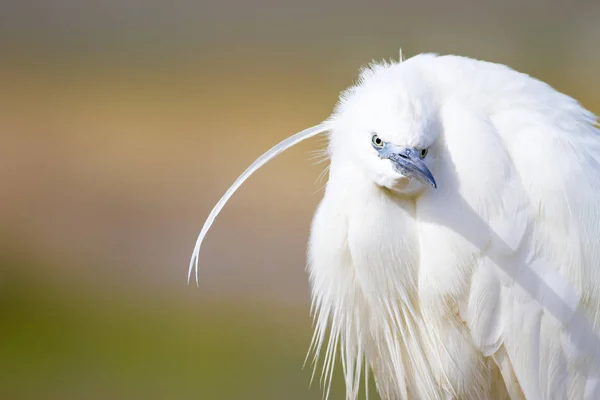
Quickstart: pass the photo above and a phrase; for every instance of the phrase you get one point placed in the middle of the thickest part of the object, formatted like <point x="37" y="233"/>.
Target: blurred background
<point x="122" y="122"/>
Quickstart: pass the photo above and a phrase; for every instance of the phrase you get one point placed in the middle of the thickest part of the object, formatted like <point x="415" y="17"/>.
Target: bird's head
<point x="386" y="128"/>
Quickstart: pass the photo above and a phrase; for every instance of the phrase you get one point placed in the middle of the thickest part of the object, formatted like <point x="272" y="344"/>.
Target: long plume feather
<point x="260" y="161"/>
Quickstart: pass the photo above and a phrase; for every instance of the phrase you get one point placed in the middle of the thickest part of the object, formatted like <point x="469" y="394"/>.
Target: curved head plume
<point x="260" y="161"/>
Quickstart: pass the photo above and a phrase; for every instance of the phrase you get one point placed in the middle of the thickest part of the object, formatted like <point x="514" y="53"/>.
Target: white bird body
<point x="479" y="284"/>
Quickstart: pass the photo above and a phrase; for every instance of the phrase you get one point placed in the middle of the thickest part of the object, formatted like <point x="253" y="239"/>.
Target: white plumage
<point x="455" y="253"/>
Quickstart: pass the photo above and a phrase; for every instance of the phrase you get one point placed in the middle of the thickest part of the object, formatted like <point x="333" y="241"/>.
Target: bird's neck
<point x="379" y="223"/>
<point x="363" y="265"/>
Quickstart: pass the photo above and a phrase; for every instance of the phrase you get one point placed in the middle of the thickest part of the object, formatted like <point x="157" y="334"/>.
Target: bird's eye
<point x="377" y="142"/>
<point x="423" y="153"/>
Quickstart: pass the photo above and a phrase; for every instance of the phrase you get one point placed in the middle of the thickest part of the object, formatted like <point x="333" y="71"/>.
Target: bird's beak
<point x="406" y="161"/>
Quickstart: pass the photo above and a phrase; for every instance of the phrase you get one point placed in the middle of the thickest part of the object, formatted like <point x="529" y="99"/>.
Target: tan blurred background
<point x="122" y="122"/>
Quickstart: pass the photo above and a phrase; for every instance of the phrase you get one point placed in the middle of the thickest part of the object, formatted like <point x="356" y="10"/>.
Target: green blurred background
<point x="123" y="122"/>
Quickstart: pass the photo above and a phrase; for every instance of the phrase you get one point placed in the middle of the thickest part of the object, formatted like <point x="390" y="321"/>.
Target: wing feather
<point x="522" y="181"/>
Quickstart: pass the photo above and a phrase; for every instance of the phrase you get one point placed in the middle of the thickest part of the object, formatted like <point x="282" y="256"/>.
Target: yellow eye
<point x="423" y="153"/>
<point x="377" y="142"/>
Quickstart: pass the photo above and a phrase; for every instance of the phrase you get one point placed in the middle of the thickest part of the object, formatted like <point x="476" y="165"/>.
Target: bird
<point x="455" y="251"/>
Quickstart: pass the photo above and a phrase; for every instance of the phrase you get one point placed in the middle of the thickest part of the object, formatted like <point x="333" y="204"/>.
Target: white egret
<point x="455" y="253"/>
